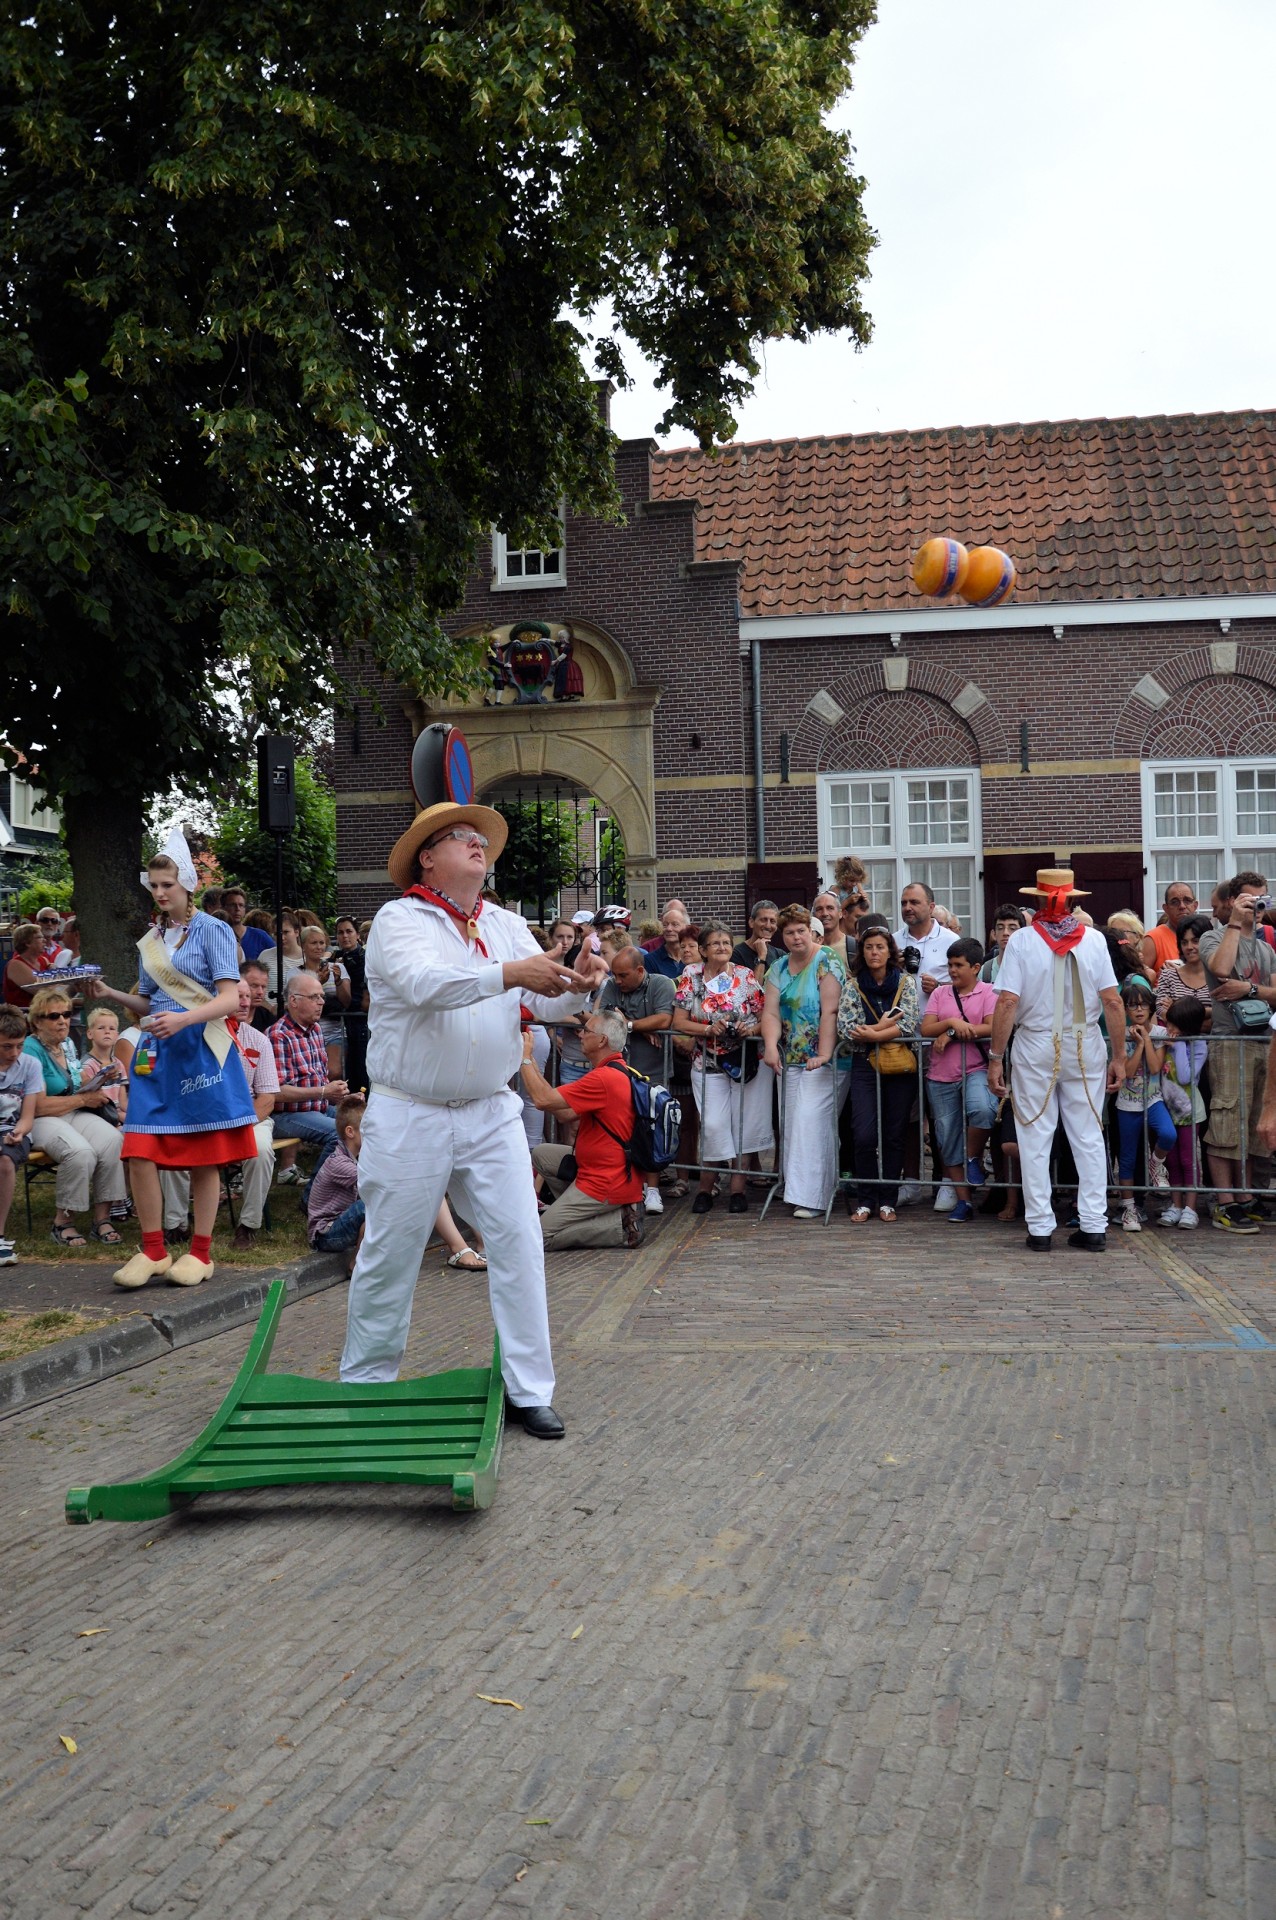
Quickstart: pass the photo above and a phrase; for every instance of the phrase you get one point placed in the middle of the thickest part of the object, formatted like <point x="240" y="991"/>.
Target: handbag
<point x="1251" y="1016"/>
<point x="893" y="1056"/>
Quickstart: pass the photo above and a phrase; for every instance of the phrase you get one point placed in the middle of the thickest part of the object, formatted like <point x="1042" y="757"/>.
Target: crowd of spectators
<point x="818" y="1048"/>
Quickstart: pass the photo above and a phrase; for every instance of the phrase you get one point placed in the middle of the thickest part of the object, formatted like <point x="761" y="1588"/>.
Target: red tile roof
<point x="1134" y="509"/>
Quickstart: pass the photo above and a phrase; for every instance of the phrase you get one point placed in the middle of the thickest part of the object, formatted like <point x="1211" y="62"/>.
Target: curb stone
<point x="146" y="1335"/>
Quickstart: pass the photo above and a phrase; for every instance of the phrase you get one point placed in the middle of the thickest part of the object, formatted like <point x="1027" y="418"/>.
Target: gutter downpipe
<point x="759" y="790"/>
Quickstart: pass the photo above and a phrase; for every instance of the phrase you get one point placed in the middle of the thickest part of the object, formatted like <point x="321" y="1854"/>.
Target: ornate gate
<point x="565" y="850"/>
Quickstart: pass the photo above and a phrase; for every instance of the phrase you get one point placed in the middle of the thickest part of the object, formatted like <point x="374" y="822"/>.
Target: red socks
<point x="202" y="1247"/>
<point x="153" y="1245"/>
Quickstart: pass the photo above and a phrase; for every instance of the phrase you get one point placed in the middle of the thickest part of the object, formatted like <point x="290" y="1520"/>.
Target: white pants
<point x="86" y="1153"/>
<point x="812" y="1102"/>
<point x="735" y="1117"/>
<point x="175" y="1183"/>
<point x="411" y="1155"/>
<point x="1031" y="1066"/>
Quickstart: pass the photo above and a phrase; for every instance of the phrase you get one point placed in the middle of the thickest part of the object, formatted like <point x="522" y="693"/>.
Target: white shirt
<point x="934" y="951"/>
<point x="1027" y="968"/>
<point x="442" y="1025"/>
<point x="259" y="1060"/>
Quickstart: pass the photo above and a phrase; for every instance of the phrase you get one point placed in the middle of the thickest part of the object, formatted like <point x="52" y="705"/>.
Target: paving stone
<point x="875" y="1623"/>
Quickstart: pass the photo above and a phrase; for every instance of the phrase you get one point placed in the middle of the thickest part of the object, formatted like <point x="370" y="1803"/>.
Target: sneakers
<point x="962" y="1211"/>
<point x="1232" y="1220"/>
<point x="1189" y="1217"/>
<point x="7" y="1254"/>
<point x="807" y="1213"/>
<point x="652" y="1203"/>
<point x="945" y="1199"/>
<point x="975" y="1173"/>
<point x="288" y="1177"/>
<point x="1172" y="1216"/>
<point x="1160" y="1172"/>
<point x="1130" y="1222"/>
<point x="910" y="1193"/>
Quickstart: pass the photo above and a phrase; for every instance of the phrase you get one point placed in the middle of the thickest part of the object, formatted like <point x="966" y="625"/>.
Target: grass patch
<point x="284" y="1240"/>
<point x="24" y="1333"/>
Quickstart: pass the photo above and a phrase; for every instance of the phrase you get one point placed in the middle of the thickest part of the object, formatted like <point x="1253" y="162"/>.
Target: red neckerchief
<point x="1060" y="929"/>
<point x="468" y="920"/>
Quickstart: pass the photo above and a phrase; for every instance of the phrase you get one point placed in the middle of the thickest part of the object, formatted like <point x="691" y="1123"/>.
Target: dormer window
<point x="527" y="566"/>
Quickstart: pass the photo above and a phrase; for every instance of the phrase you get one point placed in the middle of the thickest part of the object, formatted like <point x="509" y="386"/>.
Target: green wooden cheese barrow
<point x="278" y="1430"/>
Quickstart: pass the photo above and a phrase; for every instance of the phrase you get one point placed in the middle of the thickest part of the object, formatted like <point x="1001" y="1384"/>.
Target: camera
<point x="911" y="959"/>
<point x="1263" y="902"/>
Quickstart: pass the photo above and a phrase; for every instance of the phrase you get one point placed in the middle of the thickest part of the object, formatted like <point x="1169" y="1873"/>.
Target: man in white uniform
<point x="446" y="972"/>
<point x="1056" y="977"/>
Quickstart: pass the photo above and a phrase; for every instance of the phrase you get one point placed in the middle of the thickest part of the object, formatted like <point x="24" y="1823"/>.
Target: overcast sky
<point x="1073" y="206"/>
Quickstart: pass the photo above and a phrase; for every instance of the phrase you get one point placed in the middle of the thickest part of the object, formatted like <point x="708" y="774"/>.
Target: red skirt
<point x="216" y="1149"/>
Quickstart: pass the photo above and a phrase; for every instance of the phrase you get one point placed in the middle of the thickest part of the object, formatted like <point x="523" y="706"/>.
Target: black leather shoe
<point x="1088" y="1242"/>
<point x="702" y="1203"/>
<point x="1038" y="1243"/>
<point x="541" y="1422"/>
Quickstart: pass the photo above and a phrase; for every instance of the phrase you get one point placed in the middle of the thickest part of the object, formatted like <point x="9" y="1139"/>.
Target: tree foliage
<point x="282" y="324"/>
<point x="539" y="858"/>
<point x="247" y="855"/>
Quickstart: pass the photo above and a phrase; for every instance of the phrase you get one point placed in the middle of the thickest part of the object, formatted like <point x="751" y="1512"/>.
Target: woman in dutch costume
<point x="188" y="1105"/>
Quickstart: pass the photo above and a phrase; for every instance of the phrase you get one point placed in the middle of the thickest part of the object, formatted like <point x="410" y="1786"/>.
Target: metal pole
<point x="279" y="912"/>
<point x="759" y="792"/>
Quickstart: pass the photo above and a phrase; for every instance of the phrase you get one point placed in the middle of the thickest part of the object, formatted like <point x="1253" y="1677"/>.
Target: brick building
<point x="1118" y="713"/>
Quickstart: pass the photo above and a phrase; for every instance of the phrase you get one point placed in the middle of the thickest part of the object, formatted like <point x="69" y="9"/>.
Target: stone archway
<point x="602" y="744"/>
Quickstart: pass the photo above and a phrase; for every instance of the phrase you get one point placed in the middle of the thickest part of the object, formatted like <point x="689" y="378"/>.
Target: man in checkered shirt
<point x="305" y="1091"/>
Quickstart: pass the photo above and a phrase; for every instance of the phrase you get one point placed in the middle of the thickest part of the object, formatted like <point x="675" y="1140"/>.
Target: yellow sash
<point x="180" y="987"/>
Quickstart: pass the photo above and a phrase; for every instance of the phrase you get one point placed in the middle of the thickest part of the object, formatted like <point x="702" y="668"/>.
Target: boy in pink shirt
<point x="957" y="1022"/>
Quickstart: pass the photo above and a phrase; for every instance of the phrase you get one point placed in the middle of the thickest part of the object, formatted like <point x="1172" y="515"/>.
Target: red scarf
<point x="468" y="920"/>
<point x="1060" y="929"/>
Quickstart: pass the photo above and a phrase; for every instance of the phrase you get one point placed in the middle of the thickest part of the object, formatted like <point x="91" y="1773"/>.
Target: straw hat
<point x="402" y="862"/>
<point x="1052" y="879"/>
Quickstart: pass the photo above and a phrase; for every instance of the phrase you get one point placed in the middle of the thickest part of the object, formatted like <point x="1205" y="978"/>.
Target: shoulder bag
<point x="893" y="1056"/>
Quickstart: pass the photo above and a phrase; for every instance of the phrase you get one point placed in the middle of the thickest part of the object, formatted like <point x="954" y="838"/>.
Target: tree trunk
<point x="104" y="840"/>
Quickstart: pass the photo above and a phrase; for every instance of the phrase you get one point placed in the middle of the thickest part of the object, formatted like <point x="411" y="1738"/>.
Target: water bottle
<point x="145" y="1053"/>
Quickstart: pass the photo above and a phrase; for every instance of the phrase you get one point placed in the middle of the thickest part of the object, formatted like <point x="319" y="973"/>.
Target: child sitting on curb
<point x="334" y="1213"/>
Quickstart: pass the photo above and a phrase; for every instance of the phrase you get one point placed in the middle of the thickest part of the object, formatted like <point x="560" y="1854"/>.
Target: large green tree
<point x="283" y="299"/>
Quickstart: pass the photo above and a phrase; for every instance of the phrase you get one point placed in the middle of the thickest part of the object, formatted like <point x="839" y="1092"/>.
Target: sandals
<point x="860" y="1215"/>
<point x="887" y="1216"/>
<point x="476" y="1263"/>
<point x="68" y="1235"/>
<point x="103" y="1230"/>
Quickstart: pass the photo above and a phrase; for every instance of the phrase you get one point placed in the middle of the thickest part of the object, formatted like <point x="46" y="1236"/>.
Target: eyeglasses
<point x="466" y="835"/>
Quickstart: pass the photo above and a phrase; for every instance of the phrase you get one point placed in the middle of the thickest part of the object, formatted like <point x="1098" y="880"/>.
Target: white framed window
<point x="25" y="810"/>
<point x="517" y="567"/>
<point x="906" y="826"/>
<point x="1204" y="820"/>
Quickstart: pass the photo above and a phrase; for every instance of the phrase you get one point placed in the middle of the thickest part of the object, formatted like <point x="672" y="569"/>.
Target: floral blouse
<point x="732" y="994"/>
<point x="800" y="1004"/>
<point x="855" y="1011"/>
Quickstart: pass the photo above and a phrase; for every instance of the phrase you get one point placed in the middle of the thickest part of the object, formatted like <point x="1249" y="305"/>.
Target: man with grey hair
<point x="597" y="1193"/>
<point x="305" y="1091"/>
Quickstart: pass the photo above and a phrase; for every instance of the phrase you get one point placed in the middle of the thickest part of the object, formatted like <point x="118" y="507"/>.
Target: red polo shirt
<point x="603" y="1094"/>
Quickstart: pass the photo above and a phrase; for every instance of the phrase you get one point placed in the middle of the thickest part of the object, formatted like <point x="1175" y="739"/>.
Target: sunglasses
<point x="53" y="1016"/>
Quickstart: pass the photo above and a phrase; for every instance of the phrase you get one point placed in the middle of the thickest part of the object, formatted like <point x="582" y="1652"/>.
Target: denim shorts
<point x="946" y="1110"/>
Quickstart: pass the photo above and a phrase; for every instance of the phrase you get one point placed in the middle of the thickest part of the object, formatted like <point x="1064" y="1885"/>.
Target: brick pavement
<point x="968" y="1616"/>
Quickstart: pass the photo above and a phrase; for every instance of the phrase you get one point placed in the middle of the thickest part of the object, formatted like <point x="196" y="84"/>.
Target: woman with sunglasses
<point x="69" y="1126"/>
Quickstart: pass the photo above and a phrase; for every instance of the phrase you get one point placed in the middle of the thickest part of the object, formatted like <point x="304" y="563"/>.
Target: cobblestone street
<point x="880" y="1574"/>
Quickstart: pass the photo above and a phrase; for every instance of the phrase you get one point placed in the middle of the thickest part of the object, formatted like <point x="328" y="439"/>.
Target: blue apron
<point x="186" y="1091"/>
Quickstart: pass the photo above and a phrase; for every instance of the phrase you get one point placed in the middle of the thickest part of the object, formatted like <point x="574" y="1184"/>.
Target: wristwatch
<point x="1253" y="992"/>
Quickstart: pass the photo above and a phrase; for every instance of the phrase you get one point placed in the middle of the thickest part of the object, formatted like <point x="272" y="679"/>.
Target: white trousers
<point x="812" y="1102"/>
<point x="1031" y="1066"/>
<point x="175" y="1184"/>
<point x="411" y="1155"/>
<point x="735" y="1118"/>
